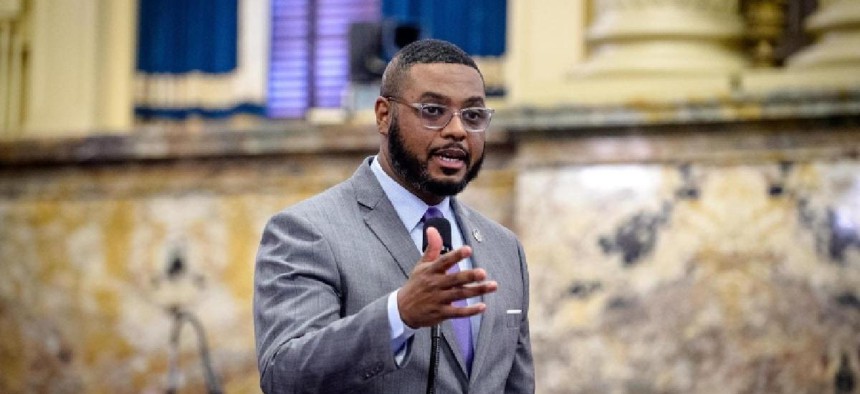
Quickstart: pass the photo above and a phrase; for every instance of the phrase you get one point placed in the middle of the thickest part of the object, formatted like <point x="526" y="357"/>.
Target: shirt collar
<point x="409" y="207"/>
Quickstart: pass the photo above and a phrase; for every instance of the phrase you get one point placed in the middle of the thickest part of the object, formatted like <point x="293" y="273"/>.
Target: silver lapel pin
<point x="477" y="235"/>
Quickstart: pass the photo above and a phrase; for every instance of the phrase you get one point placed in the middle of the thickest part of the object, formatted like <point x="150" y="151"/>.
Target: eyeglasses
<point x="437" y="116"/>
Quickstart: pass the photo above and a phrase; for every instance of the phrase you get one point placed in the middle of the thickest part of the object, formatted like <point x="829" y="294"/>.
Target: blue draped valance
<point x="477" y="26"/>
<point x="180" y="36"/>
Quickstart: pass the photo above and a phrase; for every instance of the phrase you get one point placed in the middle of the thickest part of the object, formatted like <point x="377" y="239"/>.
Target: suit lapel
<point x="451" y="340"/>
<point x="480" y="252"/>
<point x="382" y="219"/>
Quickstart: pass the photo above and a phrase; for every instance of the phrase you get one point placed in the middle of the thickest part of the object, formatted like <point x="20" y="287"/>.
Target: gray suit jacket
<point x="323" y="273"/>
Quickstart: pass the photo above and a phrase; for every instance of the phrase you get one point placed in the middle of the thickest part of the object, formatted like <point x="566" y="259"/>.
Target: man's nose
<point x="454" y="128"/>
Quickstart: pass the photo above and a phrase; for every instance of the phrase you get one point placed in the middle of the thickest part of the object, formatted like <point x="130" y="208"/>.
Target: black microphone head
<point x="443" y="227"/>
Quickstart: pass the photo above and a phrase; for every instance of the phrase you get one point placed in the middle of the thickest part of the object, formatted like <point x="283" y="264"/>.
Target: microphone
<point x="443" y="226"/>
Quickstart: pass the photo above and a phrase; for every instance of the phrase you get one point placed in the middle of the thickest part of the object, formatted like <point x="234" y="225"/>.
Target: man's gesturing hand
<point x="425" y="300"/>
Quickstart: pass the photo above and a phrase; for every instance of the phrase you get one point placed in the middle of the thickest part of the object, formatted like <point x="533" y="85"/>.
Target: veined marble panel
<point x="89" y="271"/>
<point x="711" y="278"/>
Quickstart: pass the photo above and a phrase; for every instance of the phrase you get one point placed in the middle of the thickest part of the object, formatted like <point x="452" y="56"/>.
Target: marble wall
<point x="680" y="261"/>
<point x="712" y="278"/>
<point x="89" y="272"/>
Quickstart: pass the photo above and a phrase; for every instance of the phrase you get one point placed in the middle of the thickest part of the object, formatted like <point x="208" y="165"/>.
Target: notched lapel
<point x="389" y="230"/>
<point x="451" y="340"/>
<point x="382" y="219"/>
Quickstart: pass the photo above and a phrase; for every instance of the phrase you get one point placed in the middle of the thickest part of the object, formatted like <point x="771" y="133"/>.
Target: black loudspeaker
<point x="365" y="52"/>
<point x="396" y="35"/>
<point x="373" y="44"/>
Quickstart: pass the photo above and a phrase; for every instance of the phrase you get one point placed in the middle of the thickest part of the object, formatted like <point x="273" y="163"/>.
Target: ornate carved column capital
<point x="765" y="25"/>
<point x="837" y="25"/>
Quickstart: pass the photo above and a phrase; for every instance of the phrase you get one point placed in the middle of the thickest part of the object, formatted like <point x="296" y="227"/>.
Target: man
<point x="344" y="296"/>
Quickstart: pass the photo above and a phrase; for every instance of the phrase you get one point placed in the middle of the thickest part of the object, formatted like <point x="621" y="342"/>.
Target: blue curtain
<point x="477" y="26"/>
<point x="180" y="36"/>
<point x="188" y="61"/>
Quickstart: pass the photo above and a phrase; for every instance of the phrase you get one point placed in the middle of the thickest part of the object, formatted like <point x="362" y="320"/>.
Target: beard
<point x="415" y="172"/>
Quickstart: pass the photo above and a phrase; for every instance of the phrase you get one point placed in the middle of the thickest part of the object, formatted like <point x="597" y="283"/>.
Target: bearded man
<point x="345" y="291"/>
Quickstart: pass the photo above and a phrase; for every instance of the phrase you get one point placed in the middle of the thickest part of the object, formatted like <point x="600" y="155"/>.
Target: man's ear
<point x="382" y="108"/>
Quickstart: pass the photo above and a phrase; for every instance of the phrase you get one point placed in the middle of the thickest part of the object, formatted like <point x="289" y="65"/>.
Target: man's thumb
<point x="434" y="244"/>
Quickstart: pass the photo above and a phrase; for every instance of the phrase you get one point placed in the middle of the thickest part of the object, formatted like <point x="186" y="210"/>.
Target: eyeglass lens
<point x="438" y="116"/>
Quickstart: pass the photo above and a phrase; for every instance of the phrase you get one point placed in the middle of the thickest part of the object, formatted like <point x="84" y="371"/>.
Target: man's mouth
<point x="451" y="158"/>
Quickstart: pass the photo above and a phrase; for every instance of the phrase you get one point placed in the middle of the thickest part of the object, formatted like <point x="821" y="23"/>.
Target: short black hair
<point x="425" y="51"/>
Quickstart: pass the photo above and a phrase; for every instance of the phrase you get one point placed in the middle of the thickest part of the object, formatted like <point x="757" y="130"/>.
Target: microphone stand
<point x="180" y="316"/>
<point x="434" y="350"/>
<point x="444" y="227"/>
<point x="434" y="359"/>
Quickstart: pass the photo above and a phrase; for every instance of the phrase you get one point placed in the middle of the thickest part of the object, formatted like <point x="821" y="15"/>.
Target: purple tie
<point x="462" y="326"/>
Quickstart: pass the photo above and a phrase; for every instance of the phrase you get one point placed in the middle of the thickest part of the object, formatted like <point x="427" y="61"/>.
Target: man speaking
<point x="351" y="285"/>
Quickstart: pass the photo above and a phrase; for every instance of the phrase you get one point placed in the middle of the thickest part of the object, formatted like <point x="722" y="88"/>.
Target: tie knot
<point x="432" y="213"/>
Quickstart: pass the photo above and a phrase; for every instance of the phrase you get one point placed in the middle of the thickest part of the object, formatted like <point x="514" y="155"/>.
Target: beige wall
<point x="546" y="39"/>
<point x="81" y="67"/>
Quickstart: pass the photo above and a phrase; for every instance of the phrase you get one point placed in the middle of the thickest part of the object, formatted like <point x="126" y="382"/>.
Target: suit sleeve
<point x="522" y="376"/>
<point x="304" y="343"/>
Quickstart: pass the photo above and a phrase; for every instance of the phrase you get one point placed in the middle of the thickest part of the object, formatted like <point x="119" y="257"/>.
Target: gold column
<point x="664" y="37"/>
<point x="659" y="51"/>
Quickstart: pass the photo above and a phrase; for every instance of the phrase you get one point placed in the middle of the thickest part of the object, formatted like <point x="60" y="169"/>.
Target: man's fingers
<point x="447" y="260"/>
<point x="468" y="290"/>
<point x="453" y="312"/>
<point x="463" y="278"/>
